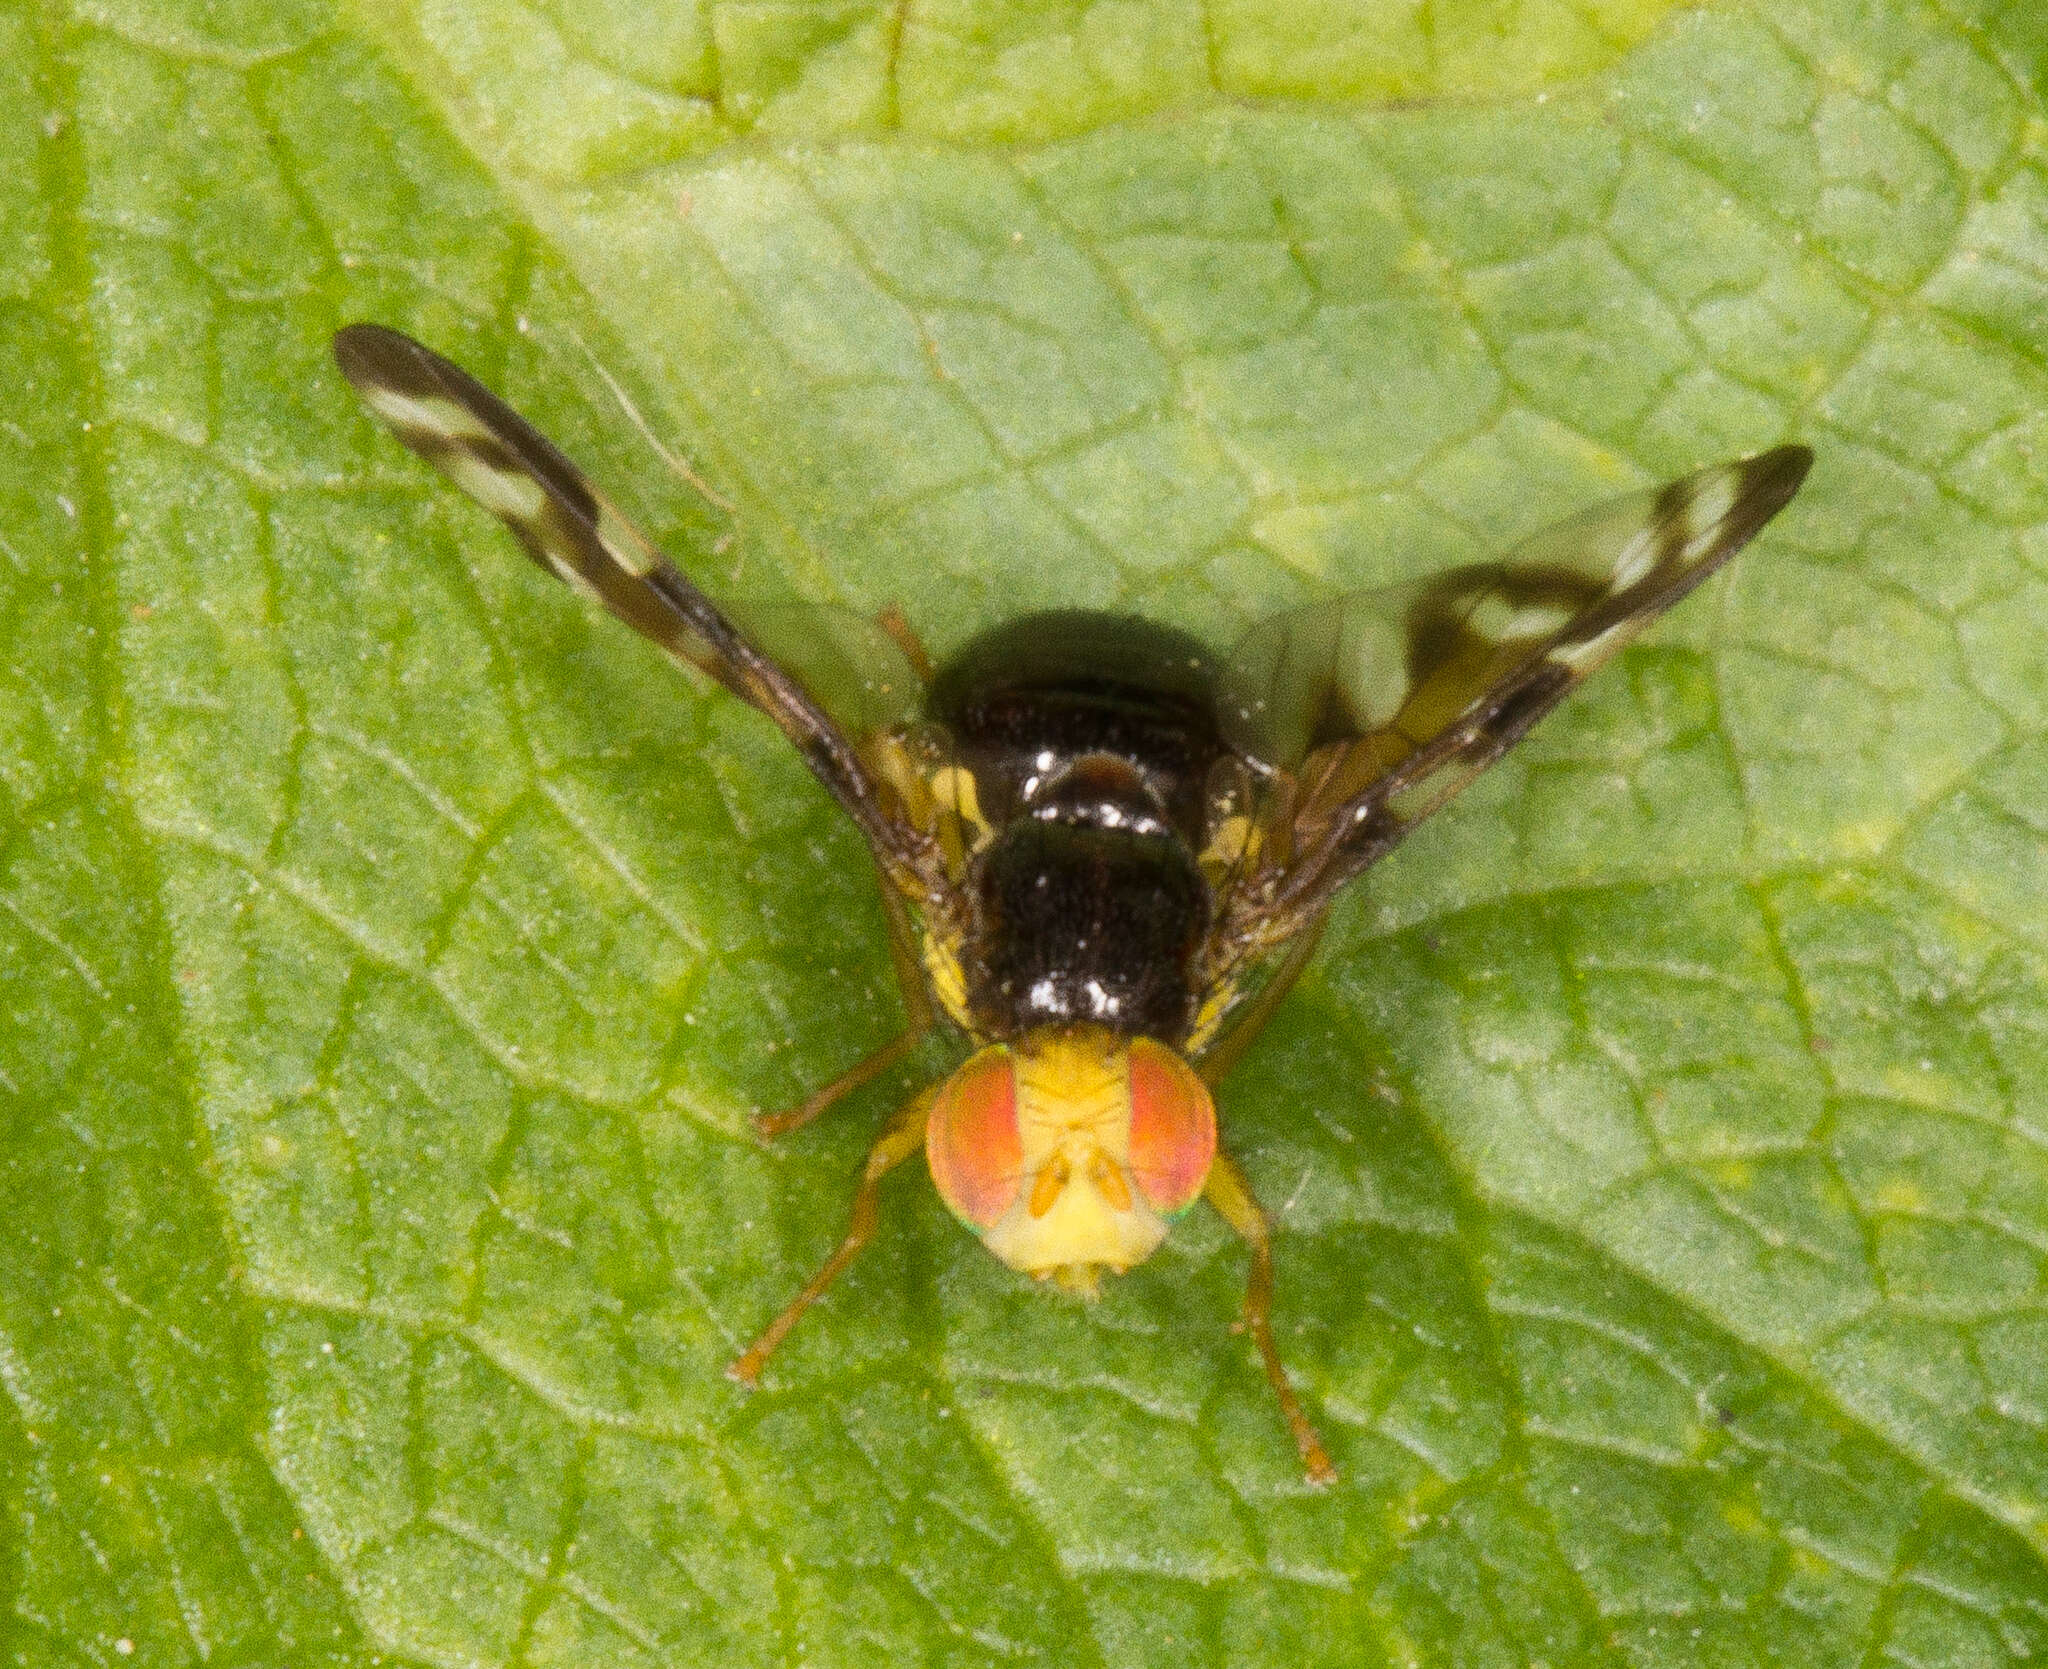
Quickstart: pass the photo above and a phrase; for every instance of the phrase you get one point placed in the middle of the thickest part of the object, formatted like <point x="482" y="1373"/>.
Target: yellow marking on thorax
<point x="895" y="764"/>
<point x="1231" y="841"/>
<point x="1221" y="999"/>
<point x="948" y="979"/>
<point x="953" y="787"/>
<point x="963" y="831"/>
<point x="941" y="800"/>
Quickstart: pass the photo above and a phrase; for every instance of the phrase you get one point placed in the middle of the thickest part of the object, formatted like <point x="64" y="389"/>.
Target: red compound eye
<point x="971" y="1140"/>
<point x="1173" y="1128"/>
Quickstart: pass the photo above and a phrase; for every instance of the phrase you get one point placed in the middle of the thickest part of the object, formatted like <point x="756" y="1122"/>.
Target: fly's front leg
<point x="771" y="1125"/>
<point x="1231" y="1195"/>
<point x="917" y="1007"/>
<point x="904" y="1137"/>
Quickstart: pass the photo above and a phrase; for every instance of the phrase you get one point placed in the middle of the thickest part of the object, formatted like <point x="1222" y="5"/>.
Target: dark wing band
<point x="512" y="470"/>
<point x="1370" y="711"/>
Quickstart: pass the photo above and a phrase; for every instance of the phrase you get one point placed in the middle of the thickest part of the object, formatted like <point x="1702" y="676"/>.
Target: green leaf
<point x="391" y="950"/>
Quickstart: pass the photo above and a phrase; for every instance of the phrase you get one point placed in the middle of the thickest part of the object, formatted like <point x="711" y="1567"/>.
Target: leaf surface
<point x="391" y="950"/>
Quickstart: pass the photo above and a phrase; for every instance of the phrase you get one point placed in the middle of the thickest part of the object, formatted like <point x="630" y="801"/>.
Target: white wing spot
<point x="1582" y="657"/>
<point x="1500" y="621"/>
<point x="1372" y="672"/>
<point x="444" y="418"/>
<point x="572" y="576"/>
<point x="1709" y="508"/>
<point x="622" y="542"/>
<point x="1637" y="558"/>
<point x="514" y="495"/>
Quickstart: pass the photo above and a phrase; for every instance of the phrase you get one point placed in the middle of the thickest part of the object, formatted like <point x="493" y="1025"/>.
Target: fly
<point x="1106" y="850"/>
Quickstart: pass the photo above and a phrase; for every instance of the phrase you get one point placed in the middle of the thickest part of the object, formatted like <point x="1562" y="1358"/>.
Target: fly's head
<point x="1070" y="1149"/>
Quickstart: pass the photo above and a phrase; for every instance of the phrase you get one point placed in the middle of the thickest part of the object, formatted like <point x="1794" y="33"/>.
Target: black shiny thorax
<point x="1090" y="739"/>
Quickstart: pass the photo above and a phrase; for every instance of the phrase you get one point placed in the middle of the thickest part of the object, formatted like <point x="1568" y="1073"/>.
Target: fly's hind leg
<point x="919" y="1015"/>
<point x="903" y="1138"/>
<point x="1231" y="1195"/>
<point x="897" y="625"/>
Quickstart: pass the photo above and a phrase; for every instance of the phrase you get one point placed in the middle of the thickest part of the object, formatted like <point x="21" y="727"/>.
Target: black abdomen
<point x="1090" y="738"/>
<point x="1087" y="924"/>
<point x="1073" y="682"/>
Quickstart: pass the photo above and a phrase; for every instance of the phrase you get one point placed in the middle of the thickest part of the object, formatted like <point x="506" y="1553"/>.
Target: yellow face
<point x="1069" y="1150"/>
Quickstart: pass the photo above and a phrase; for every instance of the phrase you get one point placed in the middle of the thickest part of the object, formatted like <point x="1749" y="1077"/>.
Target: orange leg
<point x="893" y="621"/>
<point x="904" y="1137"/>
<point x="1231" y="1195"/>
<point x="770" y="1125"/>
<point x="917" y="1005"/>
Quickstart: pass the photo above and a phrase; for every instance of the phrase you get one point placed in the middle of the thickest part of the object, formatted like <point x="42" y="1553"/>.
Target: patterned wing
<point x="505" y="464"/>
<point x="1365" y="714"/>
